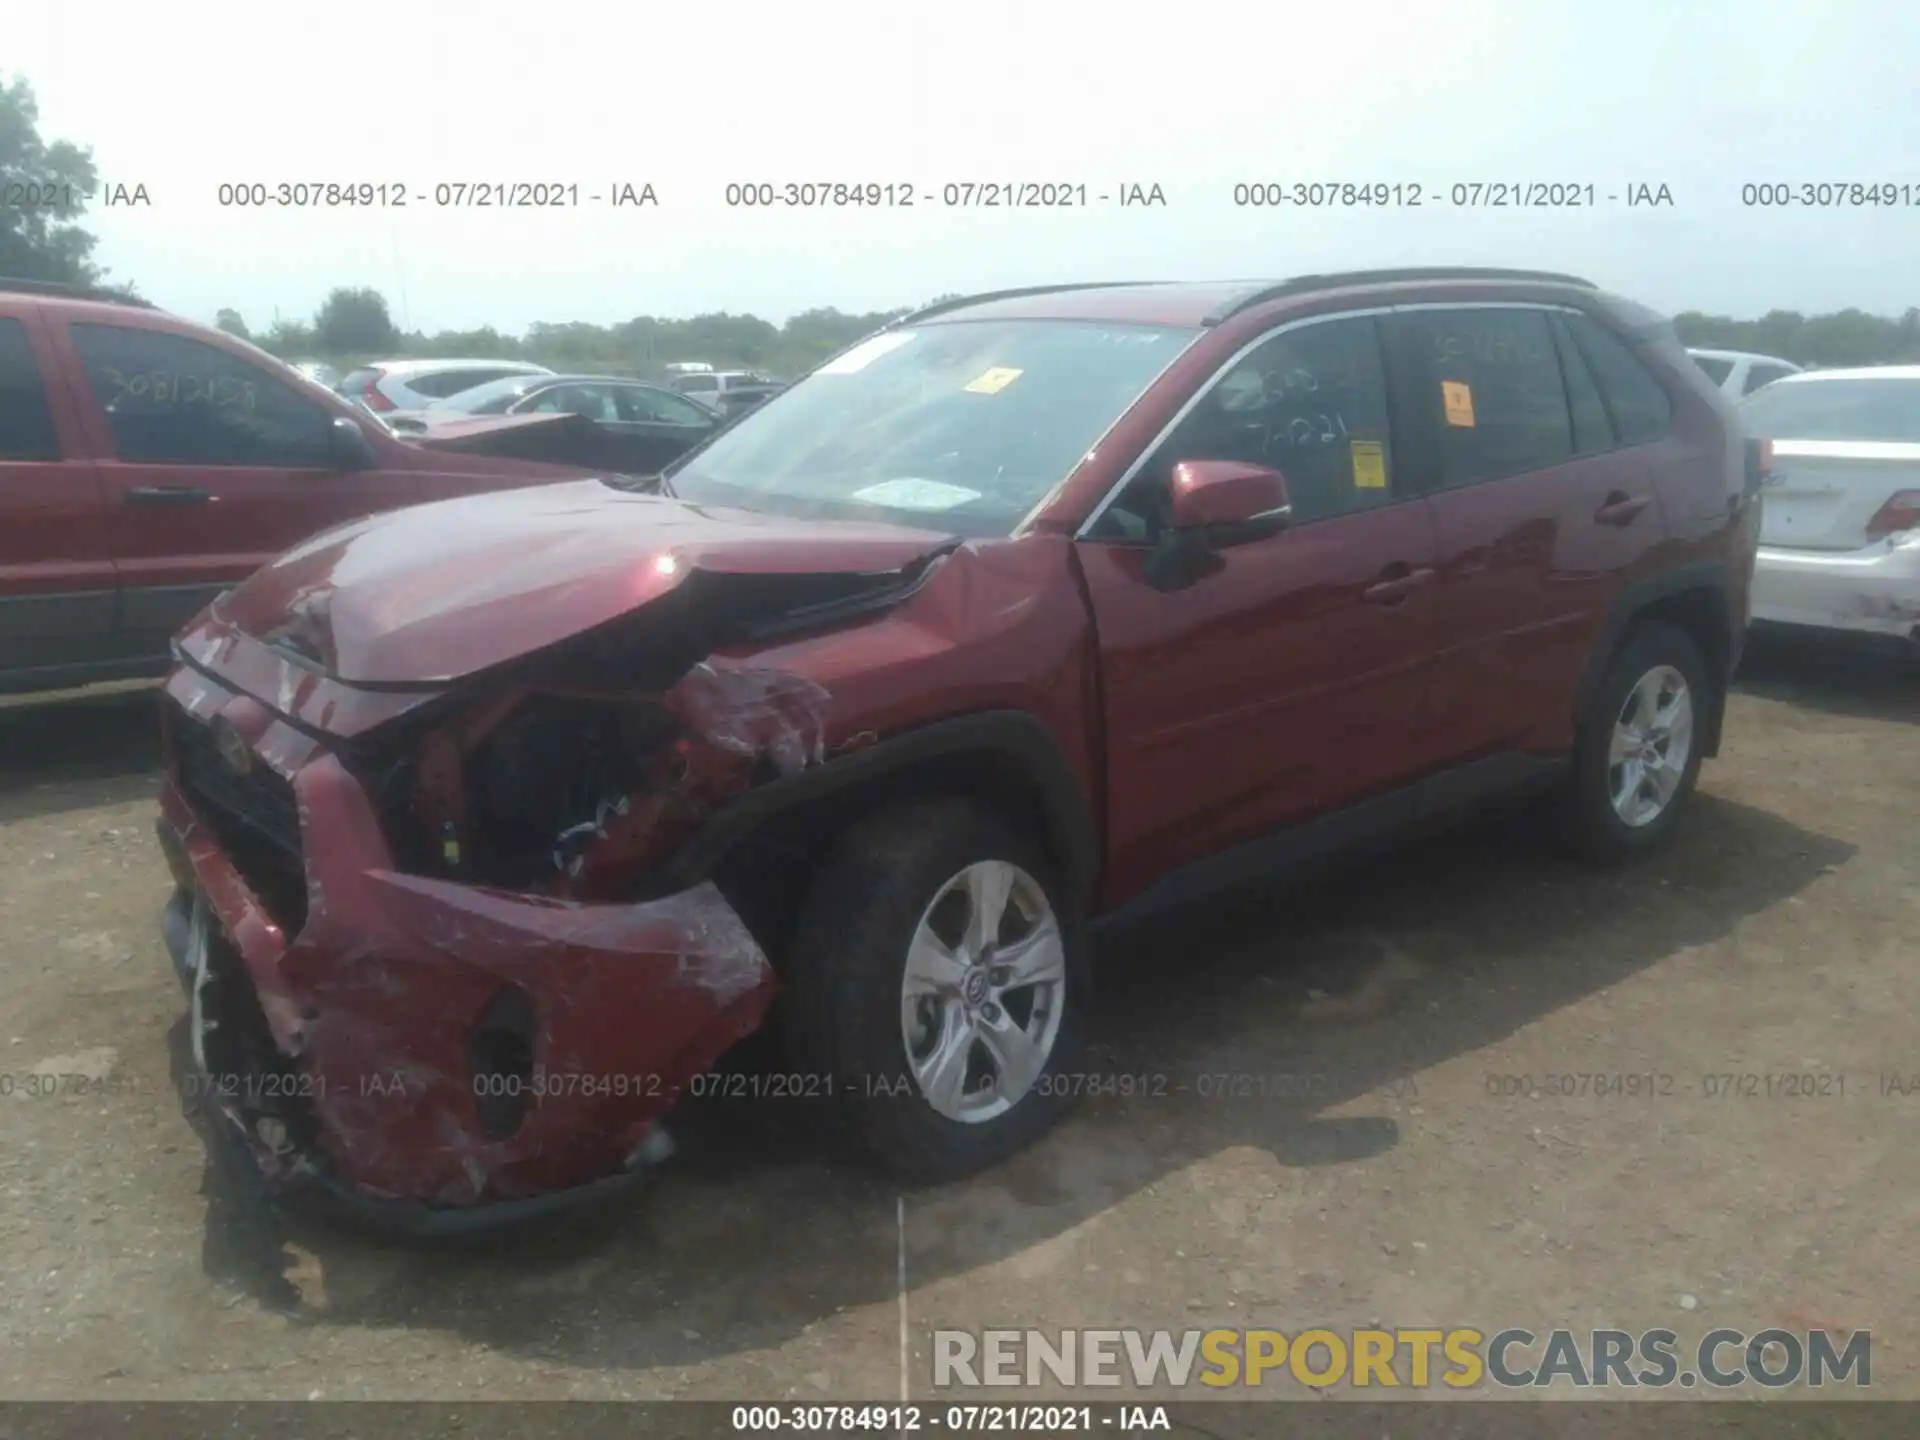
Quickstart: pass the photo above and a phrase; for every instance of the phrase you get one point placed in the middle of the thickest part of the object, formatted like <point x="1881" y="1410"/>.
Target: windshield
<point x="963" y="426"/>
<point x="1717" y="370"/>
<point x="492" y="398"/>
<point x="1867" y="409"/>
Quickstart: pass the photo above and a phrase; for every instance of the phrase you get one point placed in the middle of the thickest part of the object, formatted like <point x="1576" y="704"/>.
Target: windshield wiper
<point x="640" y="484"/>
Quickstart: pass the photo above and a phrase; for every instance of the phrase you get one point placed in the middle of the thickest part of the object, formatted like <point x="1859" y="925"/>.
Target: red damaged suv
<point x="498" y="820"/>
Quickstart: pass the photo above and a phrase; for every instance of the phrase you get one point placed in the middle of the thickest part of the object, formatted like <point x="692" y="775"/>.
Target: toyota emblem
<point x="234" y="750"/>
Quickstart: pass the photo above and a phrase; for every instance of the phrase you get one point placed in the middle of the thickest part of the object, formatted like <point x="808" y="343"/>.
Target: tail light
<point x="371" y="397"/>
<point x="1759" y="463"/>
<point x="1901" y="512"/>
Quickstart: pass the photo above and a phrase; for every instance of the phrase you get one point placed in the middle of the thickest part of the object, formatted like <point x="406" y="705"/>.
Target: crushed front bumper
<point x="1872" y="591"/>
<point x="426" y="1056"/>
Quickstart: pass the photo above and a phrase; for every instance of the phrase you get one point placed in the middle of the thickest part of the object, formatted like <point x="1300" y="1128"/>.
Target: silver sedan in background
<point x="1840" y="526"/>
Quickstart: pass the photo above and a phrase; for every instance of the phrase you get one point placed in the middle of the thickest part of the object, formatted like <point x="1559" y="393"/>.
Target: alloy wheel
<point x="983" y="993"/>
<point x="1652" y="743"/>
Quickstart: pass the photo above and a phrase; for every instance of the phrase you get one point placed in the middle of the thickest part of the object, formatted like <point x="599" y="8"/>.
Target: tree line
<point x="355" y="324"/>
<point x="47" y="240"/>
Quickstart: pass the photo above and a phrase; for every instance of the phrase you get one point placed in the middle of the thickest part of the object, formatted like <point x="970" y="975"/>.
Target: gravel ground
<point x="1776" y="937"/>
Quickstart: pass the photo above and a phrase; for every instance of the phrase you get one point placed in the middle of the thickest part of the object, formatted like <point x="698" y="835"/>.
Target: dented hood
<point x="437" y="592"/>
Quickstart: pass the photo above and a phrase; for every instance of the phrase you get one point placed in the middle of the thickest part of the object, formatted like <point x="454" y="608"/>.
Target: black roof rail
<point x="11" y="285"/>
<point x="1342" y="278"/>
<point x="960" y="302"/>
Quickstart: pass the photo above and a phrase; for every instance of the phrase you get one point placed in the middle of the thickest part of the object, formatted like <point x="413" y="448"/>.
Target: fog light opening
<point x="500" y="1053"/>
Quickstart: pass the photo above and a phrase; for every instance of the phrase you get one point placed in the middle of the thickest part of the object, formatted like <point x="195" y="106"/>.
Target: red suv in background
<point x="146" y="463"/>
<point x="495" y="822"/>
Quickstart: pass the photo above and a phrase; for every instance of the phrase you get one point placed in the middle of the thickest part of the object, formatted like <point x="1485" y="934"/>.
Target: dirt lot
<point x="1779" y="936"/>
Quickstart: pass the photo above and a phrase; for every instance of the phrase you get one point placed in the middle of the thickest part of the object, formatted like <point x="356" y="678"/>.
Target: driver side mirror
<point x="1228" y="502"/>
<point x="349" y="446"/>
<point x="1215" y="504"/>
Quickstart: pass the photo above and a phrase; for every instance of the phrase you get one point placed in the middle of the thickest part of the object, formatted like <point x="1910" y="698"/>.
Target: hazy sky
<point x="1702" y="96"/>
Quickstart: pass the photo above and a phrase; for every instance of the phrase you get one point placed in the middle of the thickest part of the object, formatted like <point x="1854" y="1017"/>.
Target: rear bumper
<point x="354" y="1049"/>
<point x="1873" y="591"/>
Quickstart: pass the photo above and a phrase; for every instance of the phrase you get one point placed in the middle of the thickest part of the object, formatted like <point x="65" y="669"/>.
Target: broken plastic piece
<point x="755" y="712"/>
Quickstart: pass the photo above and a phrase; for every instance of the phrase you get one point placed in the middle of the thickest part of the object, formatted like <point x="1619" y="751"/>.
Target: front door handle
<point x="1396" y="583"/>
<point x="1620" y="508"/>
<point x="168" y="495"/>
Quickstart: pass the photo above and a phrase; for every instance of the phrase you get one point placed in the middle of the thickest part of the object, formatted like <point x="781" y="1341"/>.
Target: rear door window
<point x="643" y="406"/>
<point x="26" y="420"/>
<point x="170" y="400"/>
<point x="595" y="402"/>
<point x="1486" y="385"/>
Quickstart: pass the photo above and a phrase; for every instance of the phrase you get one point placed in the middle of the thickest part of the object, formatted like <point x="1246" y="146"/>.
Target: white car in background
<point x="712" y="387"/>
<point x="387" y="385"/>
<point x="1840" y="517"/>
<point x="319" y="372"/>
<point x="1739" y="373"/>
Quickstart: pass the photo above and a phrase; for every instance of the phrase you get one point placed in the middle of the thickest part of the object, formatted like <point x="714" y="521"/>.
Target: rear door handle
<point x="168" y="495"/>
<point x="1620" y="508"/>
<point x="1397" y="583"/>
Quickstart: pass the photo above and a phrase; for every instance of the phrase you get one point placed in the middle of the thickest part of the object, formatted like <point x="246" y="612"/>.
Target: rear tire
<point x="941" y="1061"/>
<point x="1639" y="748"/>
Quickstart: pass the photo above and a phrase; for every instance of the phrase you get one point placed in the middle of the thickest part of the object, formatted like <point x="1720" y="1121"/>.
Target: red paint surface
<point x="1274" y="689"/>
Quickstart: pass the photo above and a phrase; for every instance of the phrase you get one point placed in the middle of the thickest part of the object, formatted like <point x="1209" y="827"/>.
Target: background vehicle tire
<point x="903" y="991"/>
<point x="1638" y="753"/>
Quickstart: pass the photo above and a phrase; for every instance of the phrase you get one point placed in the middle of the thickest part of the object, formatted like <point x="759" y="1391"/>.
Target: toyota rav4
<point x="498" y="821"/>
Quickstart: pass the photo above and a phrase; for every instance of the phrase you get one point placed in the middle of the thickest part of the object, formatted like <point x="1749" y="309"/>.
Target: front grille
<point x="254" y="816"/>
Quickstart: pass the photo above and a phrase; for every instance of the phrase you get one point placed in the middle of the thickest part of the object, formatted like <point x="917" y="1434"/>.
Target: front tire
<point x="1639" y="751"/>
<point x="939" y="982"/>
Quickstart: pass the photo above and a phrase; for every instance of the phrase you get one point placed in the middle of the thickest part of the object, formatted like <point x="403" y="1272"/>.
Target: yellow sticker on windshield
<point x="1369" y="465"/>
<point x="1459" y="402"/>
<point x="993" y="381"/>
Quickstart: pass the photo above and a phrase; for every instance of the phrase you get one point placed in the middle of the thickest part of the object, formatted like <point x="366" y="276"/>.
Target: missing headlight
<point x="552" y="775"/>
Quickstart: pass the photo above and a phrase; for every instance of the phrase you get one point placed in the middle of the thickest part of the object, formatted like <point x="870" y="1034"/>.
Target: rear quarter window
<point x="1717" y="370"/>
<point x="1761" y="375"/>
<point x="442" y="383"/>
<point x="1637" y="402"/>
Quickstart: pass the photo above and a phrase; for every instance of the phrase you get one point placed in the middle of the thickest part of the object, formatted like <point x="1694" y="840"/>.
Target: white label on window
<point x="865" y="353"/>
<point x="913" y="494"/>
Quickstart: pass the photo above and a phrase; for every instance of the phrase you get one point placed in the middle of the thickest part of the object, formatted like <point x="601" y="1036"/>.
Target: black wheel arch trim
<point x="1014" y="735"/>
<point x="1710" y="576"/>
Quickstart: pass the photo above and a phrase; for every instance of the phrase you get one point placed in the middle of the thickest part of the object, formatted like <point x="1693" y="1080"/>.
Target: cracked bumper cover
<point x="1874" y="590"/>
<point x="372" y="1006"/>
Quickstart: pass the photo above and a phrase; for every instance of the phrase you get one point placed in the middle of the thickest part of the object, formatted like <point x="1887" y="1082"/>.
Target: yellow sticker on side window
<point x="993" y="381"/>
<point x="1459" y="402"/>
<point x="1369" y="465"/>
